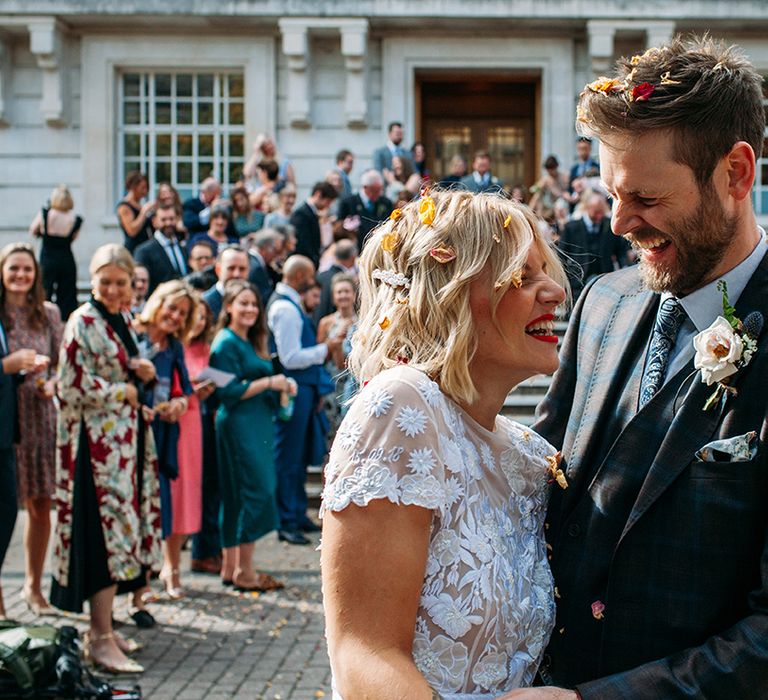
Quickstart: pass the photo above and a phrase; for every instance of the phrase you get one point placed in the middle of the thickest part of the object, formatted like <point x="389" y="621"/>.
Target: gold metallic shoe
<point x="124" y="667"/>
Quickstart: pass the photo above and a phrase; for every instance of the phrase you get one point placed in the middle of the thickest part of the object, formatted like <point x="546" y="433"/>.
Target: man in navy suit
<point x="585" y="164"/>
<point x="659" y="545"/>
<point x="382" y="157"/>
<point x="345" y="161"/>
<point x="481" y="179"/>
<point x="366" y="209"/>
<point x="196" y="211"/>
<point x="305" y="219"/>
<point x="163" y="255"/>
<point x="231" y="264"/>
<point x="264" y="247"/>
<point x="12" y="364"/>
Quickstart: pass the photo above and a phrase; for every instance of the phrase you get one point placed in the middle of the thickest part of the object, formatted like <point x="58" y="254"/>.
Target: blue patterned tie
<point x="668" y="321"/>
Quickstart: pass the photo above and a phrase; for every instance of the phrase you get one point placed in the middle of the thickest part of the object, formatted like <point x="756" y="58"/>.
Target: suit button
<point x="574" y="529"/>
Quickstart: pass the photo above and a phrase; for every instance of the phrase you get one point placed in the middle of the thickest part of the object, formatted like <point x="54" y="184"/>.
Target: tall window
<point x="761" y="180"/>
<point x="181" y="127"/>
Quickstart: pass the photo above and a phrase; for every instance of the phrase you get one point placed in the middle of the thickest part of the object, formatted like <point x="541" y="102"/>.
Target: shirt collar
<point x="283" y="289"/>
<point x="364" y="199"/>
<point x="312" y="207"/>
<point x="163" y="240"/>
<point x="220" y="287"/>
<point x="704" y="305"/>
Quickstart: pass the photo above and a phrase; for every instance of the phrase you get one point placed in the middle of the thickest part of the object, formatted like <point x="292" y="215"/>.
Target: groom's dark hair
<point x="707" y="93"/>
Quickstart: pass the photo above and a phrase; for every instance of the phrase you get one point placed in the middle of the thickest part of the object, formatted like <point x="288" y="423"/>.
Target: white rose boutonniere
<point x="725" y="347"/>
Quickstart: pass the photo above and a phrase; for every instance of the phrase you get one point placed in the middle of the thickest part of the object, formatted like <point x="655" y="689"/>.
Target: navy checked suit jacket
<point x="674" y="547"/>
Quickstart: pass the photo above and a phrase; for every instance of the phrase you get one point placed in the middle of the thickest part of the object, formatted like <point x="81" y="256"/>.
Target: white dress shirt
<point x="172" y="250"/>
<point x="286" y="324"/>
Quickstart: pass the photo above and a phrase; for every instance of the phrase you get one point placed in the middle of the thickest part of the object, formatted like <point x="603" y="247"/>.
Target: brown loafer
<point x="211" y="565"/>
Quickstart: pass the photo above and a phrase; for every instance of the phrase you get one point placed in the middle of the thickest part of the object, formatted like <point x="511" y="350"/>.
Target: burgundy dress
<point x="36" y="452"/>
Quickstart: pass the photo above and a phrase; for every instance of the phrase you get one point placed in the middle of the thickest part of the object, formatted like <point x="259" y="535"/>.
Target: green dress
<point x="245" y="438"/>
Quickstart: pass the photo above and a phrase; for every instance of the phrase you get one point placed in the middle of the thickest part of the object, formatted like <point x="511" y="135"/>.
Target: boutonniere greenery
<point x="725" y="347"/>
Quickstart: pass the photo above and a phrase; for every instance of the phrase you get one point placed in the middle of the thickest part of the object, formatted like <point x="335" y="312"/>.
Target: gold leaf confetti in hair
<point x="666" y="80"/>
<point x="443" y="254"/>
<point x="606" y="85"/>
<point x="517" y="280"/>
<point x="385" y="323"/>
<point x="635" y="59"/>
<point x="631" y="75"/>
<point x="427" y="210"/>
<point x="507" y="221"/>
<point x="389" y="241"/>
<point x="396" y="214"/>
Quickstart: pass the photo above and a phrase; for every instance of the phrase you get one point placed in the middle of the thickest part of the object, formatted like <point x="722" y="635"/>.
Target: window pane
<point x="236" y="85"/>
<point x="236" y="145"/>
<point x="163" y="145"/>
<point x="132" y="85"/>
<point x="764" y="171"/>
<point x="163" y="85"/>
<point x="183" y="112"/>
<point x="235" y="172"/>
<point x="184" y="172"/>
<point x="205" y="85"/>
<point x="205" y="145"/>
<point x="184" y="145"/>
<point x="162" y="171"/>
<point x="204" y="170"/>
<point x="163" y="113"/>
<point x="132" y="145"/>
<point x="205" y="113"/>
<point x="131" y="113"/>
<point x="184" y="85"/>
<point x="130" y="165"/>
<point x="235" y="113"/>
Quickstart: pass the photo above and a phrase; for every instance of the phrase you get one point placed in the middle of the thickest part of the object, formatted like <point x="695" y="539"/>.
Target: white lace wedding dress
<point x="487" y="606"/>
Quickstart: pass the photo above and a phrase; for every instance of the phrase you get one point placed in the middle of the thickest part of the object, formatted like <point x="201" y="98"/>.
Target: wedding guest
<point x="265" y="149"/>
<point x="135" y="218"/>
<point x="232" y="263"/>
<point x="31" y="322"/>
<point x="196" y="211"/>
<point x="364" y="211"/>
<point x="107" y="463"/>
<point x="265" y="189"/>
<point x="201" y="263"/>
<point x="457" y="600"/>
<point x="167" y="318"/>
<point x="481" y="179"/>
<point x="550" y="187"/>
<point x="344" y="260"/>
<point x="245" y="217"/>
<point x="401" y="177"/>
<point x="245" y="435"/>
<point x="163" y="255"/>
<point x="457" y="169"/>
<point x="139" y="288"/>
<point x="217" y="235"/>
<point x="286" y="202"/>
<point x="168" y="195"/>
<point x="419" y="160"/>
<point x="345" y="161"/>
<point x="264" y="248"/>
<point x="58" y="227"/>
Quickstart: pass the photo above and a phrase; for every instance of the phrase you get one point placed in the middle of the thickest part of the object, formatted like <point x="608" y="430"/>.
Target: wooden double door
<point x="464" y="113"/>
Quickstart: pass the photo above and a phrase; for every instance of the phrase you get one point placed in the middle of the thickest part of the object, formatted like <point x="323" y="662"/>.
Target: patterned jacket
<point x="660" y="558"/>
<point x="92" y="376"/>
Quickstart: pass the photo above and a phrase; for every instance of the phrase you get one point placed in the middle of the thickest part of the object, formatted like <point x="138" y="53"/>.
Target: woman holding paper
<point x="245" y="434"/>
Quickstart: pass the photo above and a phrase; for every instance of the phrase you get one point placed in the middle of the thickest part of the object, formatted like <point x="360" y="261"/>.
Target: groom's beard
<point x="700" y="243"/>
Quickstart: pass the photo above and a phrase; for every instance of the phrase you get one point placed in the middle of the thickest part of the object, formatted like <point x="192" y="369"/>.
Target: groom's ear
<point x="740" y="162"/>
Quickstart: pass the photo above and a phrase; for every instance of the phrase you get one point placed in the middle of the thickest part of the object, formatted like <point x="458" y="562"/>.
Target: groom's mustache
<point x="641" y="238"/>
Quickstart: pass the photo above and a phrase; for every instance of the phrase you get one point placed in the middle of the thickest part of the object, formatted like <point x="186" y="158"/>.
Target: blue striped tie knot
<point x="668" y="321"/>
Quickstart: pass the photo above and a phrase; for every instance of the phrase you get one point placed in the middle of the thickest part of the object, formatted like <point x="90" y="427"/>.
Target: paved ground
<point x="217" y="644"/>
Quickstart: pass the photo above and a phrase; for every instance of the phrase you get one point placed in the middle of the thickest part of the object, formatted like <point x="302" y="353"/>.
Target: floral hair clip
<point x="443" y="254"/>
<point x="391" y="278"/>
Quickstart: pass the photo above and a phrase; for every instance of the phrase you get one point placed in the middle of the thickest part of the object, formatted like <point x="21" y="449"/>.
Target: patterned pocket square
<point x="741" y="448"/>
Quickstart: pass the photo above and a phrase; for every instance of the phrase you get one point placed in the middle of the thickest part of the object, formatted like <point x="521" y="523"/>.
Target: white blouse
<point x="487" y="606"/>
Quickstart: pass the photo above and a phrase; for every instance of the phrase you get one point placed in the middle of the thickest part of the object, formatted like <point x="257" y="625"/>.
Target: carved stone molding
<point x="46" y="43"/>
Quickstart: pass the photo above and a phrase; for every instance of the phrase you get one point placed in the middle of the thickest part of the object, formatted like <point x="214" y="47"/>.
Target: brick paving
<point x="217" y="644"/>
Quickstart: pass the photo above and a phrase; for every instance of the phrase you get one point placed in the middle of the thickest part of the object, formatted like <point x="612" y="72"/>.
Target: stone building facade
<point x="181" y="88"/>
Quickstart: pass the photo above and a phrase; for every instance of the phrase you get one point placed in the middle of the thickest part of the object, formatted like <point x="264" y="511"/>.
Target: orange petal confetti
<point x="635" y="59"/>
<point x="427" y="210"/>
<point x="606" y="85"/>
<point x="389" y="242"/>
<point x="385" y="323"/>
<point x="443" y="254"/>
<point x="507" y="221"/>
<point x="666" y="80"/>
<point x="396" y="214"/>
<point x="517" y="281"/>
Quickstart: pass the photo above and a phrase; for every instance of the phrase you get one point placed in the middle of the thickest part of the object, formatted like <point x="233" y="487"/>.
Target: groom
<point x="659" y="546"/>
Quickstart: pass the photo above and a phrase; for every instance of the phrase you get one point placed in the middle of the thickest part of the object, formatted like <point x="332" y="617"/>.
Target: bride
<point x="435" y="575"/>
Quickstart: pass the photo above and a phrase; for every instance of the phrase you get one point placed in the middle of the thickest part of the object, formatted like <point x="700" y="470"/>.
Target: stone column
<point x="45" y="42"/>
<point x="657" y="33"/>
<point x="354" y="44"/>
<point x="601" y="34"/>
<point x="5" y="80"/>
<point x="296" y="49"/>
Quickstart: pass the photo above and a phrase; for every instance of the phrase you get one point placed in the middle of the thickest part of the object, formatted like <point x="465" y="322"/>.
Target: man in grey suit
<point x="481" y="179"/>
<point x="658" y="545"/>
<point x="382" y="157"/>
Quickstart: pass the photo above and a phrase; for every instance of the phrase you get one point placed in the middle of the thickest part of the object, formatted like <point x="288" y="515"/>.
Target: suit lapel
<point x="691" y="426"/>
<point x="623" y="340"/>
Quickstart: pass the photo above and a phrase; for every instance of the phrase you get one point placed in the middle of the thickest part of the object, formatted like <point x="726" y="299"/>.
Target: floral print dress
<point x="487" y="604"/>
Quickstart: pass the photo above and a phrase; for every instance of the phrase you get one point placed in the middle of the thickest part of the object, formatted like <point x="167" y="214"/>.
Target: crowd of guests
<point x="187" y="397"/>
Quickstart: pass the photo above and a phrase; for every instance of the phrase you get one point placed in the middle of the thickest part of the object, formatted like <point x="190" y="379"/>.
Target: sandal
<point x="262" y="583"/>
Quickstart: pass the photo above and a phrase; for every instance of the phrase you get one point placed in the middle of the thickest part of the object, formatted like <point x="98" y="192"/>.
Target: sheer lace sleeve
<point x="388" y="446"/>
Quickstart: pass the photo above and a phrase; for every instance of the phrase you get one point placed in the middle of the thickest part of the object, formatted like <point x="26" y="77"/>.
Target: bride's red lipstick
<point x="538" y="335"/>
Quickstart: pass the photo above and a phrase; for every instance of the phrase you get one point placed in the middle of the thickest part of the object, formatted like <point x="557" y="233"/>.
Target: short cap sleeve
<point x="388" y="446"/>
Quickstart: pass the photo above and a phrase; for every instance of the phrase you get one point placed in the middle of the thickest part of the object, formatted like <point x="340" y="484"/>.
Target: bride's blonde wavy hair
<point x="430" y="324"/>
